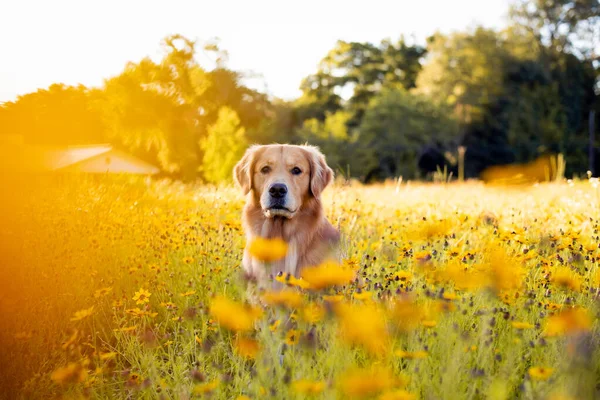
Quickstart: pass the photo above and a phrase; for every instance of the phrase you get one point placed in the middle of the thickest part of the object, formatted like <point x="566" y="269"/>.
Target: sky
<point x="274" y="43"/>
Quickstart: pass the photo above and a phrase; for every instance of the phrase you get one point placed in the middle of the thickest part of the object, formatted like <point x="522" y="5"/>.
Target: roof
<point x="88" y="158"/>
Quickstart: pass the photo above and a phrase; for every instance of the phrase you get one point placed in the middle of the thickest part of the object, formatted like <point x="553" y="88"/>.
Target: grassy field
<point x="131" y="289"/>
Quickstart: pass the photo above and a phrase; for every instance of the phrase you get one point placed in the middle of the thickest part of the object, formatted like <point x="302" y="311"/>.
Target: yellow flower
<point x="359" y="383"/>
<point x="450" y="296"/>
<point x="246" y="347"/>
<point x="540" y="373"/>
<point x="137" y="312"/>
<point x="363" y="295"/>
<point x="204" y="388"/>
<point x="142" y="296"/>
<point x="287" y="298"/>
<point x="568" y="322"/>
<point x="312" y="313"/>
<point x="327" y="274"/>
<point x="188" y="260"/>
<point x="333" y="298"/>
<point x="82" y="314"/>
<point x="306" y="387"/>
<point x="397" y="395"/>
<point x="363" y="325"/>
<point x="403" y="276"/>
<point x="125" y="329"/>
<point x="268" y="250"/>
<point x="522" y="325"/>
<point x="234" y="316"/>
<point x="506" y="272"/>
<point x="72" y="373"/>
<point x="102" y="292"/>
<point x="564" y="277"/>
<point x="292" y="337"/>
<point x="415" y="355"/>
<point x="188" y="293"/>
<point x="273" y="327"/>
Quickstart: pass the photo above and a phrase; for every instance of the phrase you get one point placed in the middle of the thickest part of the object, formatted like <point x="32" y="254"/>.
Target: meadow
<point x="128" y="288"/>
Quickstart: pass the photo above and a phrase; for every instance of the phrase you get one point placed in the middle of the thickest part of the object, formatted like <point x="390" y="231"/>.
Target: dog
<point x="283" y="185"/>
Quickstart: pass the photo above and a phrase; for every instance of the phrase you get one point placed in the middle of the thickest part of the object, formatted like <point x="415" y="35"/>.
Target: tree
<point x="562" y="25"/>
<point x="223" y="147"/>
<point x="163" y="110"/>
<point x="60" y="115"/>
<point x="396" y="128"/>
<point x="358" y="71"/>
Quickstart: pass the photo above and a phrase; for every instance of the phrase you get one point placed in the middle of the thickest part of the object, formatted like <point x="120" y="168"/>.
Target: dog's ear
<point x="242" y="172"/>
<point x="320" y="173"/>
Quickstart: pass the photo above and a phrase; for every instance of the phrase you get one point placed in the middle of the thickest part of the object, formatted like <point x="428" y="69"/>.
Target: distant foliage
<point x="377" y="110"/>
<point x="223" y="146"/>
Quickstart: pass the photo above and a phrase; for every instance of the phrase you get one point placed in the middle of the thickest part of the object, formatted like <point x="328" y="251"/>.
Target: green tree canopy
<point x="223" y="146"/>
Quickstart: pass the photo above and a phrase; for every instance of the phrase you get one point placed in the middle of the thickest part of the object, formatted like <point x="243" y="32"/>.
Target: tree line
<point x="377" y="110"/>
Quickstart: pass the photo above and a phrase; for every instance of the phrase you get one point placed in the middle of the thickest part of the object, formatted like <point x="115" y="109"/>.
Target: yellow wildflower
<point x="540" y="373"/>
<point x="363" y="325"/>
<point x="102" y="292"/>
<point x="366" y="382"/>
<point x="142" y="296"/>
<point x="397" y="395"/>
<point x="204" y="388"/>
<point x="327" y="274"/>
<point x="306" y="387"/>
<point x="232" y="315"/>
<point x="72" y="373"/>
<point x="246" y="347"/>
<point x="286" y="298"/>
<point x="568" y="322"/>
<point x="566" y="278"/>
<point x="292" y="337"/>
<point x="268" y="250"/>
<point x="521" y="325"/>
<point x="83" y="314"/>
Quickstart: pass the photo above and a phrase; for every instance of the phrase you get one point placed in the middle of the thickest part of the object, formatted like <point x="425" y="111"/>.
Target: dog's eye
<point x="296" y="171"/>
<point x="266" y="169"/>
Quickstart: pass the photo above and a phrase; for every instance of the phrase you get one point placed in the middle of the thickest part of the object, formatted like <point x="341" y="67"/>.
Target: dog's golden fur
<point x="300" y="221"/>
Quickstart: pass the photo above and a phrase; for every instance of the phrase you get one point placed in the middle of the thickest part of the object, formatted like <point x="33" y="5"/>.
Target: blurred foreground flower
<point x="246" y="347"/>
<point x="286" y="298"/>
<point x="358" y="383"/>
<point x="268" y="250"/>
<point x="306" y="387"/>
<point x="566" y="278"/>
<point x="72" y="373"/>
<point x="363" y="325"/>
<point x="327" y="274"/>
<point x="568" y="322"/>
<point x="397" y="395"/>
<point x="232" y="315"/>
<point x="204" y="388"/>
<point x="540" y="373"/>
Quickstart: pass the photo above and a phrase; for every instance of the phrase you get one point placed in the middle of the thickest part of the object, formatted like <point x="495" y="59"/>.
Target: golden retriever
<point x="283" y="185"/>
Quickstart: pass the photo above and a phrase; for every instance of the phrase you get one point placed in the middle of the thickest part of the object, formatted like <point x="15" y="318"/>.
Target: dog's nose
<point x="278" y="190"/>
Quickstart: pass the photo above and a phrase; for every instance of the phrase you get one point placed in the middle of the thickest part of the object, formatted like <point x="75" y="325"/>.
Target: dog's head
<point x="283" y="177"/>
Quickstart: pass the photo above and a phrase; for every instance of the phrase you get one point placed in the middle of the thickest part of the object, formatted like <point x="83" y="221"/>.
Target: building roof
<point x="98" y="158"/>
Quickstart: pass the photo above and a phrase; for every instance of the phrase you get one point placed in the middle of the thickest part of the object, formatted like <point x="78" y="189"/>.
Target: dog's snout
<point x="278" y="190"/>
